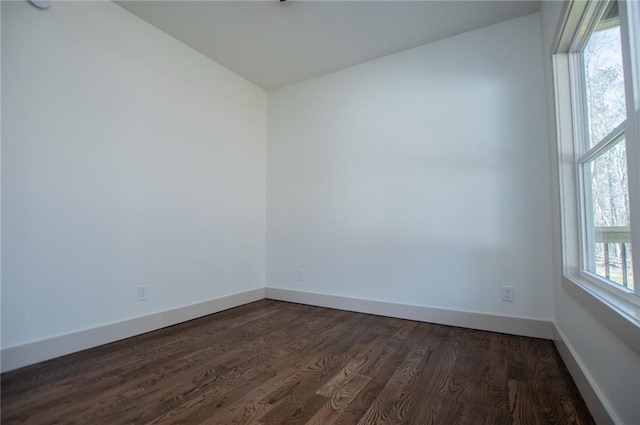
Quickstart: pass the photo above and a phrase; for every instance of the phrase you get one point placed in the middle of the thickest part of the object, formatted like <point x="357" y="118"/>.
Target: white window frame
<point x="571" y="128"/>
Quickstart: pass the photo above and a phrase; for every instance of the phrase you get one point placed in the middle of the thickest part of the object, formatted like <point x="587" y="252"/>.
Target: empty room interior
<point x="320" y="212"/>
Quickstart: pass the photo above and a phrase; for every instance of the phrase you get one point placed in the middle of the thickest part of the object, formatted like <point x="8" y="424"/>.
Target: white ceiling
<point x="274" y="44"/>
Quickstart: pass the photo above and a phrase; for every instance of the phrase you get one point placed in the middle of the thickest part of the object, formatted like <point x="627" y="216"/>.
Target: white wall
<point x="128" y="159"/>
<point x="418" y="178"/>
<point x="611" y="366"/>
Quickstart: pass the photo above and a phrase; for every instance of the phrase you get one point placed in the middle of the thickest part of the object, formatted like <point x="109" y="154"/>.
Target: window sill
<point x="622" y="317"/>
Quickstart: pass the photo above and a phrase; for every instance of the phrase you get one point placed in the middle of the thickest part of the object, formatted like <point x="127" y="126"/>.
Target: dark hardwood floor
<point x="271" y="362"/>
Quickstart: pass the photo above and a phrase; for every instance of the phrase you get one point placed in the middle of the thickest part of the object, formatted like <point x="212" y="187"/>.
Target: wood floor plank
<point x="345" y="373"/>
<point x="248" y="366"/>
<point x="255" y="404"/>
<point x="498" y="411"/>
<point x="275" y="363"/>
<point x="436" y="379"/>
<point x="339" y="353"/>
<point x="97" y="372"/>
<point x="393" y="403"/>
<point x="139" y="379"/>
<point x="85" y="363"/>
<point x="228" y="390"/>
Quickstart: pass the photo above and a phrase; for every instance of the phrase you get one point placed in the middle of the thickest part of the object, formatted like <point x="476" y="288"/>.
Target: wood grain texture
<point x="272" y="362"/>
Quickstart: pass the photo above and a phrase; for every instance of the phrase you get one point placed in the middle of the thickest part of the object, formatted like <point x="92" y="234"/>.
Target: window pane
<point x="608" y="221"/>
<point x="604" y="77"/>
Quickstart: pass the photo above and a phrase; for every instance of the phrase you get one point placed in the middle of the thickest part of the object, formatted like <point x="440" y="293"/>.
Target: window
<point x="596" y="65"/>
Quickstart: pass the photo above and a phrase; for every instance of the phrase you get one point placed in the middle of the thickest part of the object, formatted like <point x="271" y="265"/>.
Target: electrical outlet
<point x="302" y="275"/>
<point x="507" y="293"/>
<point x="142" y="293"/>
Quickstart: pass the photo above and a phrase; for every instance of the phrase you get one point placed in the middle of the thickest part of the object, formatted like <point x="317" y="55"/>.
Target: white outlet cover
<point x="302" y="275"/>
<point x="143" y="293"/>
<point x="507" y="293"/>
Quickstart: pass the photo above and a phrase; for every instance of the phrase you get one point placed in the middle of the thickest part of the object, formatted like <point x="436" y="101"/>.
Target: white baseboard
<point x="34" y="352"/>
<point x="593" y="397"/>
<point x="489" y="322"/>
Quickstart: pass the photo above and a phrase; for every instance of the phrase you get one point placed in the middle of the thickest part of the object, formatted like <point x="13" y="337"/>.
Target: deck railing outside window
<point x="613" y="254"/>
